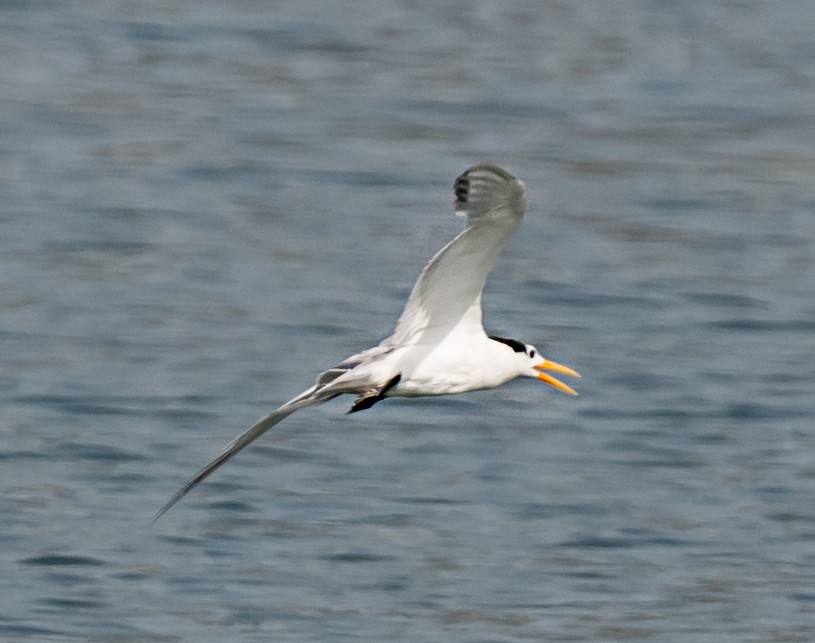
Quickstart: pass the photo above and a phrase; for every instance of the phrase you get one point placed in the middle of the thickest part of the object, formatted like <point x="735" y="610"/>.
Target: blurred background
<point x="204" y="204"/>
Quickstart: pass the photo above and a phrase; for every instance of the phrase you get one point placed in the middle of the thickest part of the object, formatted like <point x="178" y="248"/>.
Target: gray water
<point x="204" y="204"/>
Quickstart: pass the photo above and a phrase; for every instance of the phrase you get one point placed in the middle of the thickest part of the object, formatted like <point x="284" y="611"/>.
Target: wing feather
<point x="448" y="291"/>
<point x="307" y="398"/>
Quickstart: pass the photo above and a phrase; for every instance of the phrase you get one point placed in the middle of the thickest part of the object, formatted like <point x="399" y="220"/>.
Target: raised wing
<point x="447" y="295"/>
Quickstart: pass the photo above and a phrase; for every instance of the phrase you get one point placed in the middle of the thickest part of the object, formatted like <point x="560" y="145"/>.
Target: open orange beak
<point x="549" y="365"/>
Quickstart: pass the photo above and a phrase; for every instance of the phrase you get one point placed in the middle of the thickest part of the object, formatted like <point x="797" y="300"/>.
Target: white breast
<point x="456" y="365"/>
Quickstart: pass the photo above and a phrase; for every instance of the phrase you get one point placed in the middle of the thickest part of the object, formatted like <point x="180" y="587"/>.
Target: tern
<point x="439" y="346"/>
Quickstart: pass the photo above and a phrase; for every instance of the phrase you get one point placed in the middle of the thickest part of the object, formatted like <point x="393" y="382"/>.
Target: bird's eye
<point x="532" y="353"/>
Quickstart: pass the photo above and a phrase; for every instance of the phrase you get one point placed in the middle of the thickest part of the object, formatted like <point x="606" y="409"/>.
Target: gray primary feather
<point x="487" y="191"/>
<point x="244" y="440"/>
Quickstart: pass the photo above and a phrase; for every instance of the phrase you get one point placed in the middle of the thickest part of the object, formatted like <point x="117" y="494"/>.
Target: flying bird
<point x="439" y="346"/>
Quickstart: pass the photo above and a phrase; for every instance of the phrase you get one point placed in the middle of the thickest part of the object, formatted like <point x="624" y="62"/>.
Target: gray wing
<point x="353" y="375"/>
<point x="307" y="398"/>
<point x="448" y="291"/>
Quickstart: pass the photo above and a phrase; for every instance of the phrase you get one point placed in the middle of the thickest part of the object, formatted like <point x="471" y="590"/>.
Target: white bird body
<point x="457" y="365"/>
<point x="439" y="346"/>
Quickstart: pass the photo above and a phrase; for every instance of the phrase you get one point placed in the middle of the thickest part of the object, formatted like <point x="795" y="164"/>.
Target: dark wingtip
<point x="198" y="477"/>
<point x="461" y="189"/>
<point x="485" y="172"/>
<point x="178" y="496"/>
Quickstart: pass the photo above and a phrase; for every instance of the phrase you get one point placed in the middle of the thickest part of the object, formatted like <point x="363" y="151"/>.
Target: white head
<point x="532" y="364"/>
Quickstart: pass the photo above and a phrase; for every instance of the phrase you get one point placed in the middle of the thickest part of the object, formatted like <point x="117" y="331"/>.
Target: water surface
<point x="205" y="204"/>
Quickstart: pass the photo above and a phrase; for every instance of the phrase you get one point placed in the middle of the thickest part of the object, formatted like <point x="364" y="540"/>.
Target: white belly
<point x="452" y="369"/>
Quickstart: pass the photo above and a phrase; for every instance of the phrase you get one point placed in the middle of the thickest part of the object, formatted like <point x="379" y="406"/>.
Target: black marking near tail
<point x="367" y="400"/>
<point x="514" y="344"/>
